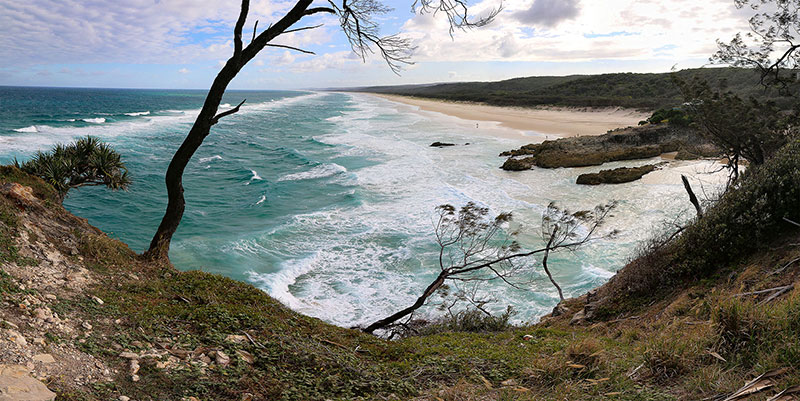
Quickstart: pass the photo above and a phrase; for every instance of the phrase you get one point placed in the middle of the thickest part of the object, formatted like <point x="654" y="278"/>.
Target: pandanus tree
<point x="85" y="162"/>
<point x="357" y="19"/>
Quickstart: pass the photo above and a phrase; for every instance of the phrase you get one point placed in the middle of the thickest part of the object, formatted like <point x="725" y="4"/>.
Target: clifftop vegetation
<point x="639" y="91"/>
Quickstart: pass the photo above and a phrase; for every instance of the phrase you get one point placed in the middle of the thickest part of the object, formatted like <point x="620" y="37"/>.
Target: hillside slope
<point x="87" y="317"/>
<point x="639" y="91"/>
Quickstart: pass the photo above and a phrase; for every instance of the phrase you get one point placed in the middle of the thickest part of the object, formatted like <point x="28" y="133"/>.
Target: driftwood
<point x="762" y="382"/>
<point x="783" y="288"/>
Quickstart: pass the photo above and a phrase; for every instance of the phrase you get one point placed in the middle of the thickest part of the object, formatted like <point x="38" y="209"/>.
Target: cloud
<point x="183" y="71"/>
<point x="549" y="13"/>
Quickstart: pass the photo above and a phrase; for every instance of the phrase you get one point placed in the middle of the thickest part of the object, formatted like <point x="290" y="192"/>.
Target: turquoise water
<point x="325" y="200"/>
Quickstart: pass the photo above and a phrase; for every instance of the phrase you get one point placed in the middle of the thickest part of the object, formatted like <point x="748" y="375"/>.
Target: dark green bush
<point x="85" y="162"/>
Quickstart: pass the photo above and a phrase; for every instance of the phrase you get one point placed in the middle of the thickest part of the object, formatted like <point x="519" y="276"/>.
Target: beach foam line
<point x="98" y="120"/>
<point x="138" y="113"/>
<point x="31" y="128"/>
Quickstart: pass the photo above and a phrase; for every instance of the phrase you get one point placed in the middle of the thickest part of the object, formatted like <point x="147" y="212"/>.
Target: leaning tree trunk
<point x="383" y="323"/>
<point x="159" y="246"/>
<point x="547" y="270"/>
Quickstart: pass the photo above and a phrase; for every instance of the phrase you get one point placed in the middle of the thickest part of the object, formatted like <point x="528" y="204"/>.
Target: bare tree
<point x="474" y="247"/>
<point x="772" y="44"/>
<point x="357" y="21"/>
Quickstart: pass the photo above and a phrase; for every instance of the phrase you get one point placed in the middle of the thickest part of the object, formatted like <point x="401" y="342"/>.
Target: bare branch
<point x="315" y="10"/>
<point x="290" y="48"/>
<point x="227" y="113"/>
<point x="301" y="29"/>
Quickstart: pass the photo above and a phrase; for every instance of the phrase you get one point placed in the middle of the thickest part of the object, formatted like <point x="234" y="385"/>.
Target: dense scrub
<point x="640" y="91"/>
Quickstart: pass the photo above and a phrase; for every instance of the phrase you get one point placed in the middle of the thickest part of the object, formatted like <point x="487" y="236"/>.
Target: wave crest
<point x="321" y="171"/>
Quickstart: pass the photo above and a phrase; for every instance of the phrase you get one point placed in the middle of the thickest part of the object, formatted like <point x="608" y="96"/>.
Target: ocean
<point x="326" y="200"/>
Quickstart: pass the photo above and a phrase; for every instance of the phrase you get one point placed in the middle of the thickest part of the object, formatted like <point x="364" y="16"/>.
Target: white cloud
<point x="183" y="71"/>
<point x="556" y="31"/>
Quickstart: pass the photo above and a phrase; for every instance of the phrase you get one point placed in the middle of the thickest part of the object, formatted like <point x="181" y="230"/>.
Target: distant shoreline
<point x="561" y="121"/>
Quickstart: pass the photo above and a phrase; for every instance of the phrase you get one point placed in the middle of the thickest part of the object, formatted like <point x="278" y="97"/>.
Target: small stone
<point x="44" y="358"/>
<point x="527" y="337"/>
<point x="40" y="313"/>
<point x="39" y="341"/>
<point x="236" y="338"/>
<point x="221" y="358"/>
<point x="9" y="324"/>
<point x="124" y="398"/>
<point x="50" y="297"/>
<point x="17" y="338"/>
<point x="97" y="300"/>
<point x="246" y="356"/>
<point x="205" y="359"/>
<point x="135" y="378"/>
<point x="129" y="355"/>
<point x="86" y="325"/>
<point x="134" y="367"/>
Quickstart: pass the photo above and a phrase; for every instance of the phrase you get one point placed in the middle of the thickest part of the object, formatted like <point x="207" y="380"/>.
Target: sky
<point x="183" y="43"/>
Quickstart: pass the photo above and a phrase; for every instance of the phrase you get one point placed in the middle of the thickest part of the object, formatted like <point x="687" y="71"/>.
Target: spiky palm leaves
<point x="86" y="162"/>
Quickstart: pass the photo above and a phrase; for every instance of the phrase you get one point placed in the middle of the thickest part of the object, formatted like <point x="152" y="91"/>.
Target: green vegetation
<point x="640" y="91"/>
<point x="85" y="162"/>
<point x="674" y="115"/>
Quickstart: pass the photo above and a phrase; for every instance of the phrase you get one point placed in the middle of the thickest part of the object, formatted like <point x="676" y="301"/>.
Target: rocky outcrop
<point x="622" y="144"/>
<point x="441" y="144"/>
<point x="16" y="384"/>
<point x="619" y="175"/>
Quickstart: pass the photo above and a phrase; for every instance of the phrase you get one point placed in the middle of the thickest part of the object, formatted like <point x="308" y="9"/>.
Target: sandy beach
<point x="562" y="122"/>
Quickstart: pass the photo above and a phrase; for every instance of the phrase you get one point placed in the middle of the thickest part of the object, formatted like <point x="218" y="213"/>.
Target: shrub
<point x="85" y="162"/>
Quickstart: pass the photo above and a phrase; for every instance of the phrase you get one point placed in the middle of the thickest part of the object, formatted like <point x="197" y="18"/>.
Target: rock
<point x="39" y="341"/>
<point x="509" y="382"/>
<point x="129" y="355"/>
<point x="624" y="144"/>
<point x="246" y="356"/>
<point x="17" y="385"/>
<point x="97" y="300"/>
<point x="124" y="398"/>
<point x="578" y="318"/>
<point x="44" y="358"/>
<point x="221" y="358"/>
<point x="441" y="144"/>
<point x="559" y="310"/>
<point x="513" y="164"/>
<point x="16" y="338"/>
<point x="527" y="337"/>
<point x="86" y="325"/>
<point x="40" y="313"/>
<point x="20" y="193"/>
<point x="50" y="297"/>
<point x="616" y="176"/>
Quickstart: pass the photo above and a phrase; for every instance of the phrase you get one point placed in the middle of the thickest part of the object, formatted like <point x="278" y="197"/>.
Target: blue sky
<point x="181" y="43"/>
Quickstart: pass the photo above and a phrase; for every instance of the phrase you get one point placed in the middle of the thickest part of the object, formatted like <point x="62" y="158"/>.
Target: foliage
<point x="770" y="46"/>
<point x="640" y="91"/>
<point x="749" y="130"/>
<point x="674" y="116"/>
<point x="85" y="162"/>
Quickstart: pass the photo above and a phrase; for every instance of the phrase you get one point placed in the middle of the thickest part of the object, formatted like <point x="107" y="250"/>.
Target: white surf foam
<point x="321" y="171"/>
<point x="209" y="159"/>
<point x="98" y="120"/>
<point x="31" y="128"/>
<point x="262" y="199"/>
<point x="138" y="113"/>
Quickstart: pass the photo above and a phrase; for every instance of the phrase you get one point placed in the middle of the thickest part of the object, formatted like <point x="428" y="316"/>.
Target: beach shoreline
<point x="561" y="122"/>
